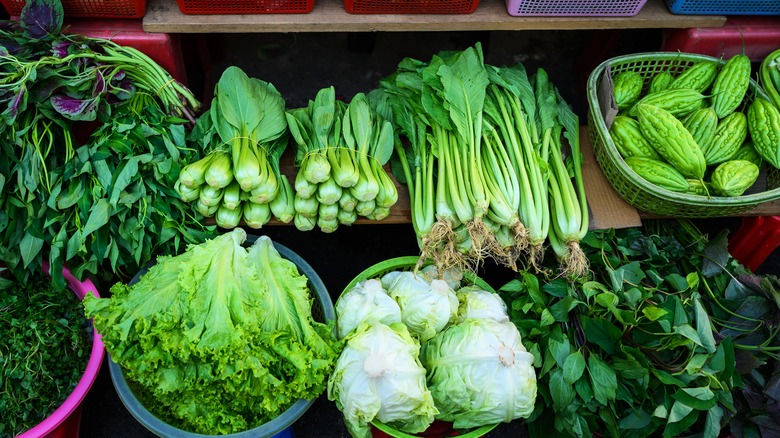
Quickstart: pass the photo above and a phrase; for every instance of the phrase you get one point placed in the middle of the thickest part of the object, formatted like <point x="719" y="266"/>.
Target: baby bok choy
<point x="244" y="134"/>
<point x="340" y="151"/>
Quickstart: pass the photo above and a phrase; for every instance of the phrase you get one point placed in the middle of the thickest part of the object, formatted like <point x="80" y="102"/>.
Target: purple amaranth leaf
<point x="17" y="104"/>
<point x="41" y="18"/>
<point x="11" y="46"/>
<point x="99" y="87"/>
<point x="118" y="77"/>
<point x="61" y="49"/>
<point x="124" y="90"/>
<point x="73" y="108"/>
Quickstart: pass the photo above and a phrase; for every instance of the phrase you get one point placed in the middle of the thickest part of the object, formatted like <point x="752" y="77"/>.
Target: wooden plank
<point x="330" y="16"/>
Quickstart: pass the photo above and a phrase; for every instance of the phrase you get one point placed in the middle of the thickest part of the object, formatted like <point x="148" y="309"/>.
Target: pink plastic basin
<point x="64" y="421"/>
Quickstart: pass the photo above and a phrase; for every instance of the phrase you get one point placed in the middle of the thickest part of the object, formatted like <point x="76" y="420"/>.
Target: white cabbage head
<point x="379" y="376"/>
<point x="366" y="302"/>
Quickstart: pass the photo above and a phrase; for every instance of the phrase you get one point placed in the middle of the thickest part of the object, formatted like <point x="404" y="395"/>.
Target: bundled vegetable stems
<point x="341" y="149"/>
<point x="245" y="134"/>
<point x="101" y="203"/>
<point x="484" y="163"/>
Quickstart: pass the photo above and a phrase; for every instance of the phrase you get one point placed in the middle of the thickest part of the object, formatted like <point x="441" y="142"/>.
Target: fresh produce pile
<point x="484" y="162"/>
<point x="106" y="204"/>
<point x="419" y="348"/>
<point x="341" y="149"/>
<point x="243" y="135"/>
<point x="219" y="339"/>
<point x="45" y="343"/>
<point x="669" y="335"/>
<point x="702" y="133"/>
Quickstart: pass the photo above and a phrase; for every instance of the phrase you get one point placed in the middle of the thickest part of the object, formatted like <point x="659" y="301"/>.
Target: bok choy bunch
<point x="245" y="134"/>
<point x="340" y="151"/>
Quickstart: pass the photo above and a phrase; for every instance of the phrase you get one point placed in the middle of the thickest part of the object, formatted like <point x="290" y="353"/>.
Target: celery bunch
<point x="245" y="134"/>
<point x="340" y="151"/>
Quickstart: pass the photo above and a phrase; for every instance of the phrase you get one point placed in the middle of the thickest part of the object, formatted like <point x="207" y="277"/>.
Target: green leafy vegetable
<point x="102" y="203"/>
<point x="220" y="339"/>
<point x="45" y="343"/>
<point x="667" y="335"/>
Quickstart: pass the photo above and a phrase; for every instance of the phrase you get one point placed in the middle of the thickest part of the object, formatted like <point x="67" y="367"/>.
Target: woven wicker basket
<point x="636" y="190"/>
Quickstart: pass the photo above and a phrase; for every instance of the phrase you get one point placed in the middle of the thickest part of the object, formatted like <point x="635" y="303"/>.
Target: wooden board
<point x="330" y="16"/>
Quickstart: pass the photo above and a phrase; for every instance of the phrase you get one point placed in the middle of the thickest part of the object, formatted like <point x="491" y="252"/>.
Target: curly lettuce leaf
<point x="218" y="339"/>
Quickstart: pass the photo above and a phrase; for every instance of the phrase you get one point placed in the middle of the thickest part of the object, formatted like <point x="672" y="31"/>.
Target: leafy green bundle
<point x="244" y="133"/>
<point x="663" y="338"/>
<point x="219" y="339"/>
<point x="107" y="203"/>
<point x="484" y="163"/>
<point x="341" y="149"/>
<point x="45" y="343"/>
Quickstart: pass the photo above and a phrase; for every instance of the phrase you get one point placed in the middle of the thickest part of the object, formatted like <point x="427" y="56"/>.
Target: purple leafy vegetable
<point x="41" y="18"/>
<point x="17" y="104"/>
<point x="60" y="48"/>
<point x="73" y="108"/>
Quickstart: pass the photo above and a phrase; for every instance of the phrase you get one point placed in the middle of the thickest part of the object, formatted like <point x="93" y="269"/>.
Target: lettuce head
<point x="219" y="339"/>
<point x="480" y="373"/>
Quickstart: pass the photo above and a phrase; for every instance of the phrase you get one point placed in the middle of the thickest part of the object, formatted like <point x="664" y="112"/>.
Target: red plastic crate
<point x="758" y="35"/>
<point x="89" y="8"/>
<point x="163" y="48"/>
<point x="216" y="7"/>
<point x="410" y="6"/>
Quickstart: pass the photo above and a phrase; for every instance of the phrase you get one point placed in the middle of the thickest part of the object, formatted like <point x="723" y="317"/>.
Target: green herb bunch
<point x="94" y="202"/>
<point x="45" y="343"/>
<point x="664" y="337"/>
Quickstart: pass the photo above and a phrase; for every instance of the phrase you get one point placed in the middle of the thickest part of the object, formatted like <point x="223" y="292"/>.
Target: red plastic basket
<point x="89" y="8"/>
<point x="216" y="7"/>
<point x="410" y="6"/>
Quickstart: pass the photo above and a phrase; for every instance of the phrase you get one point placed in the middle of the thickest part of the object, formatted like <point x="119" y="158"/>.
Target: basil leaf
<point x="30" y="246"/>
<point x="712" y="425"/>
<point x="703" y="325"/>
<point x="637" y="419"/>
<point x="561" y="392"/>
<point x="97" y="218"/>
